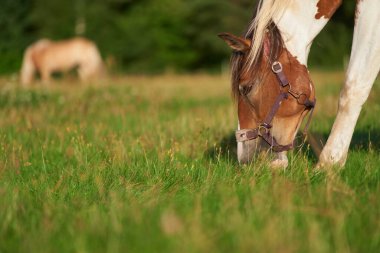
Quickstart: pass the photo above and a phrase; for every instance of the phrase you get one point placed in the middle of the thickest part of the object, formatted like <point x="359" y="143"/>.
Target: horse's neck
<point x="301" y="22"/>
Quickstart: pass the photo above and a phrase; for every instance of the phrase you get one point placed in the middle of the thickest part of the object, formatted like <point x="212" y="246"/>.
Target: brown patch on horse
<point x="239" y="57"/>
<point x="260" y="84"/>
<point x="326" y="8"/>
<point x="247" y="118"/>
<point x="264" y="95"/>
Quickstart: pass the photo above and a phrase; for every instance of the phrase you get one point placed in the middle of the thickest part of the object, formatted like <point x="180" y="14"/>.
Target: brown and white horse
<point x="46" y="57"/>
<point x="283" y="31"/>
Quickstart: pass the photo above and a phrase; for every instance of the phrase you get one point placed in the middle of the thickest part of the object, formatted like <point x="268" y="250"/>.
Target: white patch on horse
<point x="244" y="150"/>
<point x="299" y="27"/>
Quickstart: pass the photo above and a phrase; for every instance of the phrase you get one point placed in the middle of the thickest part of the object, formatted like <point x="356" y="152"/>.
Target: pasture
<point x="148" y="164"/>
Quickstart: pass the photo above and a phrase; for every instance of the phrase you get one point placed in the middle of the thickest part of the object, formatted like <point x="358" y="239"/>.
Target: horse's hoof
<point x="279" y="164"/>
<point x="321" y="166"/>
<point x="327" y="166"/>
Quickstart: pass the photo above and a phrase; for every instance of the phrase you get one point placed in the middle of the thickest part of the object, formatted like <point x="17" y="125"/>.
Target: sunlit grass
<point x="147" y="164"/>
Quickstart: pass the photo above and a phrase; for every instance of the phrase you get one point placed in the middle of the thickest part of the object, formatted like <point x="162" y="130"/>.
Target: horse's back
<point x="40" y="44"/>
<point x="66" y="54"/>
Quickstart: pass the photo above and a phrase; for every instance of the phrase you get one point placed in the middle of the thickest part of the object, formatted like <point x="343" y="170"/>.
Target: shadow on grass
<point x="363" y="140"/>
<point x="225" y="149"/>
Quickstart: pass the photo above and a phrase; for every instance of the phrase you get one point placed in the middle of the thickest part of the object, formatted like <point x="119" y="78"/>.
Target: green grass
<point x="147" y="164"/>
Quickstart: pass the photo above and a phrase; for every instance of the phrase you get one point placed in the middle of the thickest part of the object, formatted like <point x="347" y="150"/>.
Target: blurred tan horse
<point x="46" y="56"/>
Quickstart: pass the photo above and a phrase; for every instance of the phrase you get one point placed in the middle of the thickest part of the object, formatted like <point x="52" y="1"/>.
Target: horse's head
<point x="273" y="92"/>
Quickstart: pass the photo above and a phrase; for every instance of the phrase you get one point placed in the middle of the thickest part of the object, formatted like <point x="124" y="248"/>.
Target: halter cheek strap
<point x="263" y="130"/>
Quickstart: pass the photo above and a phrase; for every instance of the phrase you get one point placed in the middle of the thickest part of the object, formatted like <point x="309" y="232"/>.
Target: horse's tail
<point x="28" y="68"/>
<point x="266" y="10"/>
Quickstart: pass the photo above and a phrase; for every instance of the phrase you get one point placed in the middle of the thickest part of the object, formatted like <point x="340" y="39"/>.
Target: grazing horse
<point x="46" y="57"/>
<point x="271" y="82"/>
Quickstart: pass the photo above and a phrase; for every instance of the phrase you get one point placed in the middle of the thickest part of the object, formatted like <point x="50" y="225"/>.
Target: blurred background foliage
<point x="152" y="36"/>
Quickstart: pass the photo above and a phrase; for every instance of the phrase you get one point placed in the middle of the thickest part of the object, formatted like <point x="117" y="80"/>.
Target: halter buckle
<point x="266" y="126"/>
<point x="276" y="67"/>
<point x="263" y="129"/>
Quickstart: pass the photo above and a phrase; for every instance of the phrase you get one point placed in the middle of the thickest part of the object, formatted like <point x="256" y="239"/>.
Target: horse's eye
<point x="245" y="89"/>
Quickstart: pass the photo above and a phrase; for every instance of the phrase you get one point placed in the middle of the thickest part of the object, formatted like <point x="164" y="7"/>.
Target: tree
<point x="15" y="32"/>
<point x="149" y="35"/>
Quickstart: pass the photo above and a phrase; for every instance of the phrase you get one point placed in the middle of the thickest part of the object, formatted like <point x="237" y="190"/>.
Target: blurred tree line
<point x="151" y="36"/>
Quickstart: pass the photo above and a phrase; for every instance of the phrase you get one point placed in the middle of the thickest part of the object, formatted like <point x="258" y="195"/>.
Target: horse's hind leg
<point x="362" y="71"/>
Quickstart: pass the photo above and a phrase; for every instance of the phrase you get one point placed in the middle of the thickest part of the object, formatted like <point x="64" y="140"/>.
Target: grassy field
<point x="147" y="164"/>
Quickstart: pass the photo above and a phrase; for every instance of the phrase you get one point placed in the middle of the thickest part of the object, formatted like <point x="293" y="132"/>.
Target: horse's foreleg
<point x="353" y="96"/>
<point x="83" y="73"/>
<point x="45" y="76"/>
<point x="361" y="74"/>
<point x="88" y="71"/>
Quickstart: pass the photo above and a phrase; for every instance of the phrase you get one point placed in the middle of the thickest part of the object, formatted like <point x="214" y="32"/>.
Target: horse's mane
<point x="261" y="24"/>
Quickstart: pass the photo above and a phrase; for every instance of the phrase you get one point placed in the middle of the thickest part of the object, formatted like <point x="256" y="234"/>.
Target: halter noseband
<point x="263" y="130"/>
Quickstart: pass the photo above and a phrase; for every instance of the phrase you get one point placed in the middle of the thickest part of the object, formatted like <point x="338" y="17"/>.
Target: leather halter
<point x="263" y="130"/>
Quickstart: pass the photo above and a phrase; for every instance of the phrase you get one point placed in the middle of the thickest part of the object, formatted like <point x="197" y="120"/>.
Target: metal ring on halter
<point x="276" y="67"/>
<point x="264" y="128"/>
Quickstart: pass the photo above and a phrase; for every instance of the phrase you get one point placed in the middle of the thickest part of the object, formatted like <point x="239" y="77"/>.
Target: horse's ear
<point x="238" y="44"/>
